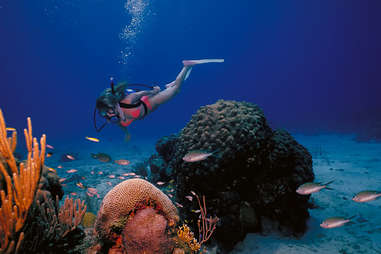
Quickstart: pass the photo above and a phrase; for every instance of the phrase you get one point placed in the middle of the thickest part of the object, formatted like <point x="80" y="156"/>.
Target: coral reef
<point x="18" y="185"/>
<point x="146" y="232"/>
<point x="31" y="221"/>
<point x="89" y="219"/>
<point x="136" y="217"/>
<point x="250" y="178"/>
<point x="50" y="181"/>
<point x="123" y="200"/>
<point x="54" y="229"/>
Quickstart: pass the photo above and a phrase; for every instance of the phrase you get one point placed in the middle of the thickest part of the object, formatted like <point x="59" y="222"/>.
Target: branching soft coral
<point x="20" y="182"/>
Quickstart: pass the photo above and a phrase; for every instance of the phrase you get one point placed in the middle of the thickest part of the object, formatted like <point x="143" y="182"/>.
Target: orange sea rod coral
<point x="123" y="199"/>
<point x="18" y="184"/>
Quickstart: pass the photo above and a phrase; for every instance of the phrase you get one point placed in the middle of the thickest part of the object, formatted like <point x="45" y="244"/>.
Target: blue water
<point x="310" y="65"/>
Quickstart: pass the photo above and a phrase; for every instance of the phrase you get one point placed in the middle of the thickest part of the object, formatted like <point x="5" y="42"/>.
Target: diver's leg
<point x="184" y="73"/>
<point x="171" y="89"/>
<point x="174" y="87"/>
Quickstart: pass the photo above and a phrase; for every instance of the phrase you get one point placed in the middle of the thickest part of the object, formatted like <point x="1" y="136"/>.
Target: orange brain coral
<point x="124" y="198"/>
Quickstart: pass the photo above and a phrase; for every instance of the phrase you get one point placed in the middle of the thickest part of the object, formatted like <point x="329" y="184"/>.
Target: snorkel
<point x="112" y="85"/>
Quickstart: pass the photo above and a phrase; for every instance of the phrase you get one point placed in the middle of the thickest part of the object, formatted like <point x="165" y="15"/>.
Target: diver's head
<point x="109" y="99"/>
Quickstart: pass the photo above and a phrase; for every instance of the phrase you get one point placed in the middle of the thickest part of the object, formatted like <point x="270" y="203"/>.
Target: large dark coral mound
<point x="250" y="180"/>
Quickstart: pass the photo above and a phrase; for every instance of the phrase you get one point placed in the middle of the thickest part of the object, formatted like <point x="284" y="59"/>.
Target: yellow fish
<point x="10" y="129"/>
<point x="80" y="185"/>
<point x="92" y="139"/>
<point x="52" y="169"/>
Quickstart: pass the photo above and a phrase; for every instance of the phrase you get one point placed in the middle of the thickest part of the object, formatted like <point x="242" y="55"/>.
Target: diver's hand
<point x="156" y="89"/>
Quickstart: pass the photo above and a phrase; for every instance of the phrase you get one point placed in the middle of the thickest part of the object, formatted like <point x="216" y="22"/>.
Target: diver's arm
<point x="137" y="95"/>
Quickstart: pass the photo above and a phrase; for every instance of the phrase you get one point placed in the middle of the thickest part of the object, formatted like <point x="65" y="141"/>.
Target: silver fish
<point x="308" y="188"/>
<point x="365" y="196"/>
<point x="196" y="155"/>
<point x="335" y="222"/>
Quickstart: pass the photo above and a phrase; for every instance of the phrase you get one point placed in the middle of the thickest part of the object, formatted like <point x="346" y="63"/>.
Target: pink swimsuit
<point x="136" y="112"/>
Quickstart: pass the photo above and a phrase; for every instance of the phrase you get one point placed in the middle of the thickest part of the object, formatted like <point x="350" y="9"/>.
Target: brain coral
<point x="147" y="233"/>
<point x="123" y="199"/>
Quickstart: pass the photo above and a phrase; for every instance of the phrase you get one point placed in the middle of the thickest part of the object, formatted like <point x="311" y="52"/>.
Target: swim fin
<point x="187" y="74"/>
<point x="202" y="61"/>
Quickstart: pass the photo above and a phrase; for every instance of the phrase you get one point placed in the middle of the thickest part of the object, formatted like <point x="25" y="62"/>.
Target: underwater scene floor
<point x="353" y="166"/>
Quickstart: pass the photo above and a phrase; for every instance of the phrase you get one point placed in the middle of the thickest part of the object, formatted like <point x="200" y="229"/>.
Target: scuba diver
<point x="122" y="105"/>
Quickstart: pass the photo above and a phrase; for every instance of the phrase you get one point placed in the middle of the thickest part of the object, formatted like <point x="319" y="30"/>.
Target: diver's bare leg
<point x="174" y="87"/>
<point x="171" y="89"/>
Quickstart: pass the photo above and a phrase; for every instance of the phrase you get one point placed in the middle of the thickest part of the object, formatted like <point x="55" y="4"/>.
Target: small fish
<point x="196" y="155"/>
<point x="103" y="157"/>
<point x="111" y="176"/>
<point x="70" y="157"/>
<point x="92" y="172"/>
<point x="109" y="183"/>
<point x="129" y="174"/>
<point x="190" y="198"/>
<point x="122" y="162"/>
<point x="160" y="183"/>
<point x="121" y="177"/>
<point x="59" y="166"/>
<point x="137" y="176"/>
<point x="71" y="171"/>
<point x="308" y="188"/>
<point x="172" y="181"/>
<point x="62" y="180"/>
<point x="179" y="205"/>
<point x="80" y="185"/>
<point x="92" y="190"/>
<point x="171" y="190"/>
<point x="49" y="146"/>
<point x="10" y="129"/>
<point x="52" y="169"/>
<point x="196" y="211"/>
<point x="73" y="194"/>
<point x="92" y="139"/>
<point x="100" y="173"/>
<point x="89" y="194"/>
<point x="365" y="196"/>
<point x="48" y="154"/>
<point x="335" y="222"/>
<point x="170" y="195"/>
<point x="193" y="193"/>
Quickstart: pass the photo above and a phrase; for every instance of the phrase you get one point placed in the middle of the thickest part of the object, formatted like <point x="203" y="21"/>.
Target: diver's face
<point x="112" y="116"/>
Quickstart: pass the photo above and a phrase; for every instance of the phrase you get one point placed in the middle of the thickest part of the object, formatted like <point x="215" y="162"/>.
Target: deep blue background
<point x="311" y="65"/>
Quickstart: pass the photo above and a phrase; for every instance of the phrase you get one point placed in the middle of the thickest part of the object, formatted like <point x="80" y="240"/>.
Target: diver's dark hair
<point x="108" y="99"/>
